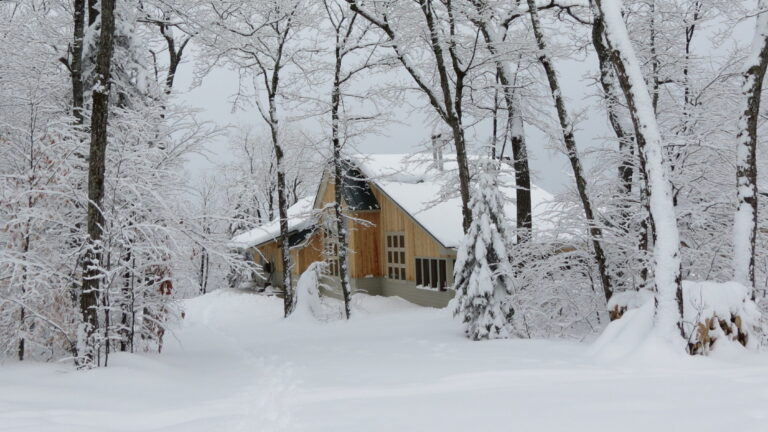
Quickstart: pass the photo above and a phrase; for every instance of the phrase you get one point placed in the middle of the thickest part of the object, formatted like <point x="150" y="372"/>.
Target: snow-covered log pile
<point x="623" y="301"/>
<point x="713" y="311"/>
<point x="718" y="311"/>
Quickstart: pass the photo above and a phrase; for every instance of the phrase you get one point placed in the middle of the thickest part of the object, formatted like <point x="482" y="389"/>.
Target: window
<point x="432" y="272"/>
<point x="395" y="248"/>
<point x="332" y="259"/>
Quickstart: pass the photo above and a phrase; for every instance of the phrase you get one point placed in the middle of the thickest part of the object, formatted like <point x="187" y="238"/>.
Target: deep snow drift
<point x="236" y="365"/>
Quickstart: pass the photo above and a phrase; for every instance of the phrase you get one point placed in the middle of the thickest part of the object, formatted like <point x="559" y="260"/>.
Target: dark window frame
<point x="432" y="272"/>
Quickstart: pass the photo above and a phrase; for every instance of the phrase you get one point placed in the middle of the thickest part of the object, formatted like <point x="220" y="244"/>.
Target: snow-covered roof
<point x="426" y="193"/>
<point x="300" y="217"/>
<point x="431" y="196"/>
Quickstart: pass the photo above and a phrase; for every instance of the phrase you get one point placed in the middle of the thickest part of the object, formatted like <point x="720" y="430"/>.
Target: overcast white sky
<point x="411" y="132"/>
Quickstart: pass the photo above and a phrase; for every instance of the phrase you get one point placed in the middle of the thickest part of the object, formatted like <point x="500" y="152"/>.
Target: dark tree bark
<point x="572" y="152"/>
<point x="76" y="64"/>
<point x="524" y="207"/>
<point x="93" y="11"/>
<point x="125" y="305"/>
<point x="174" y="54"/>
<point x="96" y="167"/>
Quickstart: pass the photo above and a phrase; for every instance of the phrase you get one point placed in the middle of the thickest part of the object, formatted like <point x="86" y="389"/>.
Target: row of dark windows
<point x="432" y="272"/>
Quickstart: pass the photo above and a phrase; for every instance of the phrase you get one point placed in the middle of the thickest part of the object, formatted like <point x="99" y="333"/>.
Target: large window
<point x="395" y="252"/>
<point x="432" y="272"/>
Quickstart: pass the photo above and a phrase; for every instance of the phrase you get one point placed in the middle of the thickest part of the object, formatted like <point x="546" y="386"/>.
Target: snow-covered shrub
<point x="482" y="274"/>
<point x="556" y="290"/>
<point x="309" y="300"/>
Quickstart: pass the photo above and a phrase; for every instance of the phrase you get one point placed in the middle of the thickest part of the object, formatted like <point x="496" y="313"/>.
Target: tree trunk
<point x="610" y="94"/>
<point x="76" y="64"/>
<point x="99" y="121"/>
<point x="282" y="202"/>
<point x="515" y="126"/>
<point x="338" y="178"/>
<point x="93" y="11"/>
<point x="572" y="153"/>
<point x="745" y="220"/>
<point x="203" y="274"/>
<point x="452" y="103"/>
<point x="124" y="303"/>
<point x="669" y="296"/>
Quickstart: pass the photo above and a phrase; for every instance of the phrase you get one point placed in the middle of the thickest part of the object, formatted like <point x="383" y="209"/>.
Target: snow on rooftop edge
<point x="416" y="185"/>
<point x="299" y="217"/>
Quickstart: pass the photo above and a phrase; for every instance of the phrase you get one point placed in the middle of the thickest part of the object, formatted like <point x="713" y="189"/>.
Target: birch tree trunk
<point x="666" y="251"/>
<point x="99" y="122"/>
<point x="338" y="178"/>
<point x="572" y="152"/>
<point x="745" y="220"/>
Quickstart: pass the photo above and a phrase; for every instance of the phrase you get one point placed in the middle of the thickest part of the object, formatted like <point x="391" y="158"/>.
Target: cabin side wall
<point x="364" y="245"/>
<point x="418" y="242"/>
<point x="367" y="244"/>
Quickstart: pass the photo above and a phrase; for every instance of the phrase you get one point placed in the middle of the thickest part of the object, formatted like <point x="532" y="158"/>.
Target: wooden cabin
<point x="404" y="226"/>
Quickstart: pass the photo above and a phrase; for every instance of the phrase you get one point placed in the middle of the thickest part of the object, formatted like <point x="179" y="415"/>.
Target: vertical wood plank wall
<point x="364" y="244"/>
<point x="418" y="243"/>
<point x="366" y="240"/>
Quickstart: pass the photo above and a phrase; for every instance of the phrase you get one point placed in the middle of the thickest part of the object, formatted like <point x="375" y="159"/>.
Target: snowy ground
<point x="235" y="365"/>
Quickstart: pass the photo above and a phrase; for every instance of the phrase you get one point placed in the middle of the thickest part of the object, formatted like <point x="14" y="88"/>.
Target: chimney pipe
<point x="437" y="151"/>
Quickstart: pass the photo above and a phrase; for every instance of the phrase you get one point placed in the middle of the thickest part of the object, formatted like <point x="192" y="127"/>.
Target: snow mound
<point x="310" y="304"/>
<point x="712" y="312"/>
<point x="229" y="309"/>
<point x="623" y="336"/>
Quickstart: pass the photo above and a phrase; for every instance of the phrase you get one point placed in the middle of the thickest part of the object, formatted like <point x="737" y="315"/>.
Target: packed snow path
<point x="236" y="365"/>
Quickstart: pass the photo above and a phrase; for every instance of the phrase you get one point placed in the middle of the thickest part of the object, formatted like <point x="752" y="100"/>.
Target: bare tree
<point x="669" y="301"/>
<point x="566" y="125"/>
<point x="99" y="123"/>
<point x="450" y="63"/>
<point x="494" y="30"/>
<point x="260" y="38"/>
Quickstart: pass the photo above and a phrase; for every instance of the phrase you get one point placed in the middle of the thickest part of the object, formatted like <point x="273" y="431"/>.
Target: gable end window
<point x="395" y="255"/>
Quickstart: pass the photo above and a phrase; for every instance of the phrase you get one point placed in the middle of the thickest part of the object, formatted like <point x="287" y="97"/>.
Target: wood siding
<point x="311" y="252"/>
<point x="418" y="242"/>
<point x="364" y="245"/>
<point x="367" y="240"/>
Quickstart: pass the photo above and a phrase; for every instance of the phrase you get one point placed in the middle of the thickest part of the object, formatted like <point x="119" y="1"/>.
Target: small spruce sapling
<point x="482" y="272"/>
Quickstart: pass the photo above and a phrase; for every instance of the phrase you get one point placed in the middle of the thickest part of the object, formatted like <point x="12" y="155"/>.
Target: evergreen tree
<point x="481" y="274"/>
